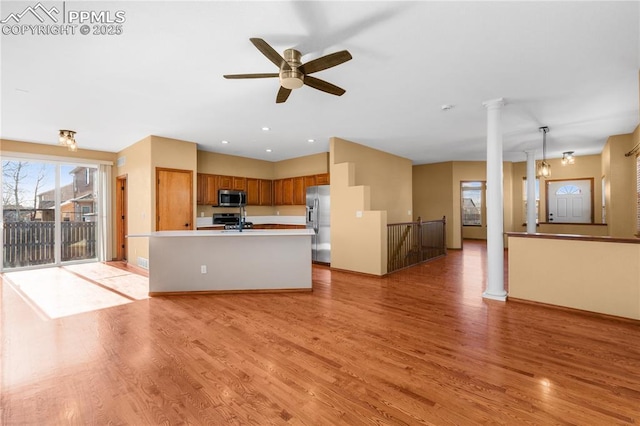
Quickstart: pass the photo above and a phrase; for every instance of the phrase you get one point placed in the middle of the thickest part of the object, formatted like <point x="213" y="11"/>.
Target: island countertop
<point x="226" y="233"/>
<point x="263" y="260"/>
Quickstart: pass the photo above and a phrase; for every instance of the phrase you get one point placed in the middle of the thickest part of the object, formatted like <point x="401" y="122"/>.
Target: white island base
<point x="183" y="262"/>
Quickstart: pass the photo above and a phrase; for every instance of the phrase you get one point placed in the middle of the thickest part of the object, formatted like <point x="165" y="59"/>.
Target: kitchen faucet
<point x="243" y="213"/>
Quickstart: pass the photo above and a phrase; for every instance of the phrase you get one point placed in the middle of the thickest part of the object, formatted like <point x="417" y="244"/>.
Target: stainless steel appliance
<point x="318" y="219"/>
<point x="230" y="221"/>
<point x="231" y="198"/>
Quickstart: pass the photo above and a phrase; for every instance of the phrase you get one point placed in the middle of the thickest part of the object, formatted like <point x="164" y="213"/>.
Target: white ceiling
<point x="572" y="66"/>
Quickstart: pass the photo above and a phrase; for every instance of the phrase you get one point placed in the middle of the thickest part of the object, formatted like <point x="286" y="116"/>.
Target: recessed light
<point x="311" y="140"/>
<point x="225" y="142"/>
<point x="266" y="129"/>
<point x="268" y="150"/>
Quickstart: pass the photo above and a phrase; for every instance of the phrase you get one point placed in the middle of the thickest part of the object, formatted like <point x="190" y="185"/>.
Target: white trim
<point x="54" y="158"/>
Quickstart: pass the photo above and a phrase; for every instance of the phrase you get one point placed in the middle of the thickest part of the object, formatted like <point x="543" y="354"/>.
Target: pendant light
<point x="544" y="168"/>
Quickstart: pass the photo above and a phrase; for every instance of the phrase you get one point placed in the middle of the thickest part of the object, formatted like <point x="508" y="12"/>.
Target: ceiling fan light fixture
<point x="291" y="79"/>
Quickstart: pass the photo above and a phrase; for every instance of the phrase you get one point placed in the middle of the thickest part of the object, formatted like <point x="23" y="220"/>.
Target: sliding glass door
<point x="50" y="213"/>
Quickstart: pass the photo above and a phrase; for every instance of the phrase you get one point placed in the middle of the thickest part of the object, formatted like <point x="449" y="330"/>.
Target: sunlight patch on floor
<point x="70" y="290"/>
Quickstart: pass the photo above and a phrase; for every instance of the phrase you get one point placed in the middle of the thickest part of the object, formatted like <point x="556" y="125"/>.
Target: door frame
<point x="121" y="217"/>
<point x="546" y="196"/>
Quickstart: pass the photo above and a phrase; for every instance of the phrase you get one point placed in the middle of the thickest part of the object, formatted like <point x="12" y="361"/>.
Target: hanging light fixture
<point x="68" y="139"/>
<point x="568" y="158"/>
<point x="544" y="168"/>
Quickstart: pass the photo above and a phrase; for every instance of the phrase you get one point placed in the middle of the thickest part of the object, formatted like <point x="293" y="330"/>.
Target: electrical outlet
<point x="359" y="213"/>
<point x="203" y="269"/>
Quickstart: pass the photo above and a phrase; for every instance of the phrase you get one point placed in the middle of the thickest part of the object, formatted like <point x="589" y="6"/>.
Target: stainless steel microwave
<point x="231" y="198"/>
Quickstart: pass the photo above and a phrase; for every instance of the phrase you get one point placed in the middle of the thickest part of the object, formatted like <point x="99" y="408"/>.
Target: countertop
<point x="258" y="220"/>
<point x="228" y="233"/>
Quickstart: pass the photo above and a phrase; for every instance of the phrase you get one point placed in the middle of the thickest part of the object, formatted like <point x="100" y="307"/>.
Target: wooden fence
<point x="33" y="243"/>
<point x="411" y="243"/>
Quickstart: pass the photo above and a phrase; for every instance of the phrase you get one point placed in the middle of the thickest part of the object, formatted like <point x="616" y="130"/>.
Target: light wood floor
<point x="418" y="347"/>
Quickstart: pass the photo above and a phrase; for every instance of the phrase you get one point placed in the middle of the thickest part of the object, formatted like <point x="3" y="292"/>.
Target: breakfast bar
<point x="217" y="261"/>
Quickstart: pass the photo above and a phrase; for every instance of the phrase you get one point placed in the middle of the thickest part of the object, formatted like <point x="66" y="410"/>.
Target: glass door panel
<point x="78" y="212"/>
<point x="28" y="210"/>
<point x="50" y="213"/>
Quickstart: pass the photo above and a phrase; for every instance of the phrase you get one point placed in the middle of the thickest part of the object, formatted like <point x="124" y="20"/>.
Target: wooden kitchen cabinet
<point x="200" y="188"/>
<point x="253" y="191"/>
<point x="277" y="192"/>
<point x="299" y="191"/>
<point x="207" y="189"/>
<point x="239" y="183"/>
<point x="287" y="192"/>
<point x="266" y="192"/>
<point x="225" y="182"/>
<point x="322" y="179"/>
<point x="309" y="181"/>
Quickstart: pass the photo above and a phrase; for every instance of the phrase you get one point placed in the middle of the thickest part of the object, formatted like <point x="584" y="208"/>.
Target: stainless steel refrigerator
<point x="318" y="216"/>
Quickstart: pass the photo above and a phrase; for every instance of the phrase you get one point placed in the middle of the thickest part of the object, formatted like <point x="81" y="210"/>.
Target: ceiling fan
<point x="293" y="73"/>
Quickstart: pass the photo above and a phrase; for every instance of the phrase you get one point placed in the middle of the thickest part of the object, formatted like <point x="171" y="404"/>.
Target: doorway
<point x="570" y="201"/>
<point x="174" y="199"/>
<point x="50" y="213"/>
<point x="121" y="218"/>
<point x="473" y="196"/>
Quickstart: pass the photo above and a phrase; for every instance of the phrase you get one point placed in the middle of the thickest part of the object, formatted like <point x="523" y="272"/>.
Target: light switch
<point x="359" y="213"/>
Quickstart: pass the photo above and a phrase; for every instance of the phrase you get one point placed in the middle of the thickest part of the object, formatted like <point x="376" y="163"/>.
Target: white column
<point x="495" y="210"/>
<point x="531" y="192"/>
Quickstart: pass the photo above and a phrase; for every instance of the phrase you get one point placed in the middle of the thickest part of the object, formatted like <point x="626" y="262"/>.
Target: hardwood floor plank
<point x="418" y="347"/>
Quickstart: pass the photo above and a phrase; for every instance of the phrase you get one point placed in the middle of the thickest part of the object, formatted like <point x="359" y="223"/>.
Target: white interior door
<point x="569" y="201"/>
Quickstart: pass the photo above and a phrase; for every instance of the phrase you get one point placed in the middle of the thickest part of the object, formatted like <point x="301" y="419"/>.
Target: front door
<point x="174" y="199"/>
<point x="570" y="201"/>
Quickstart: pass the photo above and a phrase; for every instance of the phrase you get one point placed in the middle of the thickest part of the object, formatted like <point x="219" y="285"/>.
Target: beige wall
<point x="388" y="176"/>
<point x="136" y="166"/>
<point x="433" y="194"/>
<point x="173" y="154"/>
<point x="302" y="166"/>
<point x="369" y="188"/>
<point x="589" y="275"/>
<point x="620" y="186"/>
<point x="140" y="161"/>
<point x="437" y="194"/>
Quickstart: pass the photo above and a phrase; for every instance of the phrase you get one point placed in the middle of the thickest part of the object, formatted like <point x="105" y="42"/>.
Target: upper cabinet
<point x="224" y="182"/>
<point x="207" y="189"/>
<point x="239" y="183"/>
<point x="260" y="192"/>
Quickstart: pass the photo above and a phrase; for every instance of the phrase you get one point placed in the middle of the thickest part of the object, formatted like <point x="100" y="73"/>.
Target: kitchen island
<point x="182" y="262"/>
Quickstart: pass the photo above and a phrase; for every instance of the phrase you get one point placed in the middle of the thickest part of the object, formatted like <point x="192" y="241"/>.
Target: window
<point x="524" y="200"/>
<point x="472" y="194"/>
<point x="568" y="190"/>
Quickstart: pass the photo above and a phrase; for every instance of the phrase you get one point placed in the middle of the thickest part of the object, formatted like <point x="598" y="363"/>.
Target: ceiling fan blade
<point x="270" y="53"/>
<point x="324" y="86"/>
<point x="283" y="94"/>
<point x="324" y="62"/>
<point x="264" y="75"/>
